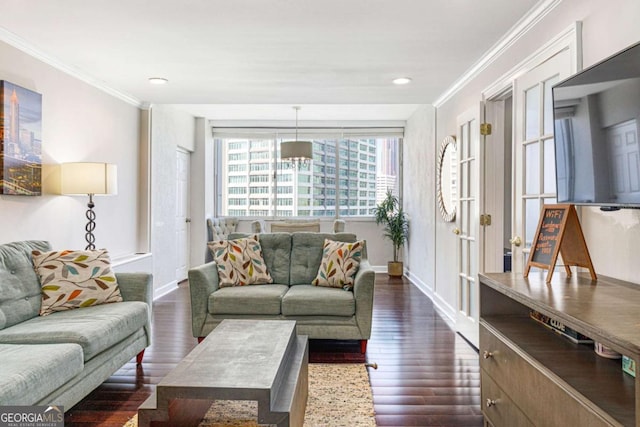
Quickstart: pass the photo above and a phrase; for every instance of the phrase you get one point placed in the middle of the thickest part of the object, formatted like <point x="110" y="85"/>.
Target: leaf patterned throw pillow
<point x="240" y="262"/>
<point x="75" y="279"/>
<point x="339" y="264"/>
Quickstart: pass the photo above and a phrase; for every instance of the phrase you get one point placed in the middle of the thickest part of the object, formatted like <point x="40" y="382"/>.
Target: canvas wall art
<point x="20" y="140"/>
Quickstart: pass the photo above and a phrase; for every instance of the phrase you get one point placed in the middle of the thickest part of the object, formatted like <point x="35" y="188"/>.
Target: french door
<point x="534" y="151"/>
<point x="470" y="169"/>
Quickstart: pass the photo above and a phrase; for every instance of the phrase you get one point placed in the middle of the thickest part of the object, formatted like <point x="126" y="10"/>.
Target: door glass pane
<point x="473" y="137"/>
<point x="532" y="213"/>
<point x="532" y="168"/>
<point x="473" y="262"/>
<point x="550" y="201"/>
<point x="472" y="216"/>
<point x="464" y="142"/>
<point x="463" y="214"/>
<point x="464" y="184"/>
<point x="465" y="258"/>
<point x="549" y="168"/>
<point x="548" y="105"/>
<point x="473" y="309"/>
<point x="532" y="113"/>
<point x="463" y="295"/>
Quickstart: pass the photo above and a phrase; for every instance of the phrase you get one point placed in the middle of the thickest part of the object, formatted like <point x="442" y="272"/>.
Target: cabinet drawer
<point x="541" y="396"/>
<point x="497" y="408"/>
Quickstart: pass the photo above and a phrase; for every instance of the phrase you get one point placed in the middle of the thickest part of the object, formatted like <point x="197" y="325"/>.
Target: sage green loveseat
<point x="293" y="260"/>
<point x="60" y="358"/>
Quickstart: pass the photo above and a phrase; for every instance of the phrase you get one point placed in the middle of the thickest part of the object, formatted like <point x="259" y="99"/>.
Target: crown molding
<point x="28" y="48"/>
<point x="512" y="36"/>
<point x="570" y="39"/>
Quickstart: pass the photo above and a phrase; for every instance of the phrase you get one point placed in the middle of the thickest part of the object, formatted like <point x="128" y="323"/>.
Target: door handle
<point x="187" y="220"/>
<point x="515" y="241"/>
<point x="456" y="231"/>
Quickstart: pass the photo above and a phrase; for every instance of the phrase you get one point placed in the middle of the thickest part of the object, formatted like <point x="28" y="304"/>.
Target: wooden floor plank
<point x="427" y="375"/>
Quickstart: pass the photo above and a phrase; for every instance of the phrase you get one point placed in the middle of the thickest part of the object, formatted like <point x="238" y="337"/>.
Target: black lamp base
<point x="91" y="225"/>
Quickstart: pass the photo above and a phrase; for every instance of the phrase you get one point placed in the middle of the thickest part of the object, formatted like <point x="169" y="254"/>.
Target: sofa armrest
<point x="203" y="281"/>
<point x="136" y="287"/>
<point x="363" y="293"/>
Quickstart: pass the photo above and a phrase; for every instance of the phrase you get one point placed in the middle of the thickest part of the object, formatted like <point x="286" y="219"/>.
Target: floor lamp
<point x="90" y="179"/>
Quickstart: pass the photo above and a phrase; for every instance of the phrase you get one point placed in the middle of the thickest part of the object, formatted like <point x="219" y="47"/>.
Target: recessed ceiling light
<point x="402" y="80"/>
<point x="158" y="80"/>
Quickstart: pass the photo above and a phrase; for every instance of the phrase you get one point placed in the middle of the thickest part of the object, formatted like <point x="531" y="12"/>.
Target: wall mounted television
<point x="597" y="124"/>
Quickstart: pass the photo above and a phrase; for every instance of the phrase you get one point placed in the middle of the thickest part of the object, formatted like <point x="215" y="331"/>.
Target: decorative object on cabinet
<point x="389" y="213"/>
<point x="90" y="179"/>
<point x="604" y="351"/>
<point x="629" y="366"/>
<point x="560" y="328"/>
<point x="447" y="192"/>
<point x="559" y="232"/>
<point x="20" y="140"/>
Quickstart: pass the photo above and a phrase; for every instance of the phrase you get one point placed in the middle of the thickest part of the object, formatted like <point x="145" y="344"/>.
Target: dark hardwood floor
<point x="427" y="375"/>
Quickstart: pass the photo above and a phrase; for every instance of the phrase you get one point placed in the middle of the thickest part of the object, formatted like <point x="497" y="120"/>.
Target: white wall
<point x="612" y="237"/>
<point x="170" y="128"/>
<point x="79" y="123"/>
<point x="202" y="190"/>
<point x="419" y="195"/>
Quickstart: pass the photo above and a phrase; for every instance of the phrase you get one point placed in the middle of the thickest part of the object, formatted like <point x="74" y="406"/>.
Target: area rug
<point x="339" y="395"/>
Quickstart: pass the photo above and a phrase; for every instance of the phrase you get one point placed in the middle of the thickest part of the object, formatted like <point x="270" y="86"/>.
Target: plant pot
<point x="395" y="268"/>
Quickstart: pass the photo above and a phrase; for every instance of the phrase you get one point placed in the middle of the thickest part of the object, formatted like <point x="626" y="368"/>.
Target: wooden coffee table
<point x="257" y="360"/>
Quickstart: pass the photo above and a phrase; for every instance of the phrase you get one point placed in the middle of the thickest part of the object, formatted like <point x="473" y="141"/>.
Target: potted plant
<point x="396" y="227"/>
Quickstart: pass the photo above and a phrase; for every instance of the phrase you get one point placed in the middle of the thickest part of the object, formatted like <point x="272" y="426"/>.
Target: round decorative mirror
<point x="447" y="179"/>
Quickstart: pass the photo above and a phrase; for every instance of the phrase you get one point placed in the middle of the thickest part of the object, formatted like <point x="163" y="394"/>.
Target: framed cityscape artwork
<point x="20" y="140"/>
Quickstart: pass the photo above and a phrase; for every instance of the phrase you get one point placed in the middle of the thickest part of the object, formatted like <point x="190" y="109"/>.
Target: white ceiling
<point x="336" y="58"/>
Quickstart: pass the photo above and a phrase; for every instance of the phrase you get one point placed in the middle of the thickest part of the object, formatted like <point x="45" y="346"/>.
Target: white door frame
<point x="571" y="39"/>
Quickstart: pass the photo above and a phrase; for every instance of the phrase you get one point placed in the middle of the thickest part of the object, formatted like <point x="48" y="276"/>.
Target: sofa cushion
<point x="276" y="251"/>
<point x="20" y="293"/>
<point x="308" y="300"/>
<point x="339" y="265"/>
<point x="263" y="299"/>
<point x="95" y="328"/>
<point x="239" y="262"/>
<point x="306" y="254"/>
<point x="75" y="279"/>
<point x="31" y="372"/>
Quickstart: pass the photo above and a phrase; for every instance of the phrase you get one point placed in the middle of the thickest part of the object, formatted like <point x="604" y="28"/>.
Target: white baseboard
<point x="165" y="289"/>
<point x="379" y="268"/>
<point x="447" y="312"/>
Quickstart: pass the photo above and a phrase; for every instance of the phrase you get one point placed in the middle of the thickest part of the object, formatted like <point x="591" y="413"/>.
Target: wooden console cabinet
<point x="533" y="376"/>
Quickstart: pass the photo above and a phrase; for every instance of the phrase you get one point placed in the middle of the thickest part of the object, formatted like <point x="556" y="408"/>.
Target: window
<point x="346" y="173"/>
<point x="259" y="178"/>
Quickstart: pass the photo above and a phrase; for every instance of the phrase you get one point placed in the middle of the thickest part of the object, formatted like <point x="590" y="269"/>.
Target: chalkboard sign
<point x="559" y="232"/>
<point x="548" y="235"/>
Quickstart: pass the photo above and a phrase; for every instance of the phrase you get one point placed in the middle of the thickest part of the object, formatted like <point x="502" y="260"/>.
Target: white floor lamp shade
<point x="90" y="179"/>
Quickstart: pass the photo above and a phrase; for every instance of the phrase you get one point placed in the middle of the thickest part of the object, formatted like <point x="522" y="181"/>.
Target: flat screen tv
<point x="597" y="123"/>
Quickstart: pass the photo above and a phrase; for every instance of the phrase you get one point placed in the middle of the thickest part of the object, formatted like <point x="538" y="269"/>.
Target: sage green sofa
<point x="293" y="260"/>
<point x="60" y="358"/>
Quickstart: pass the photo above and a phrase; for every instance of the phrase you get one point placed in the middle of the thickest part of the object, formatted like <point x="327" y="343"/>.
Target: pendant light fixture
<point x="296" y="153"/>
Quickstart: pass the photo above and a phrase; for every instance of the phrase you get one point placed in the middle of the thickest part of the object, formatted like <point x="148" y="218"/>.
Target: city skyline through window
<point x="347" y="177"/>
